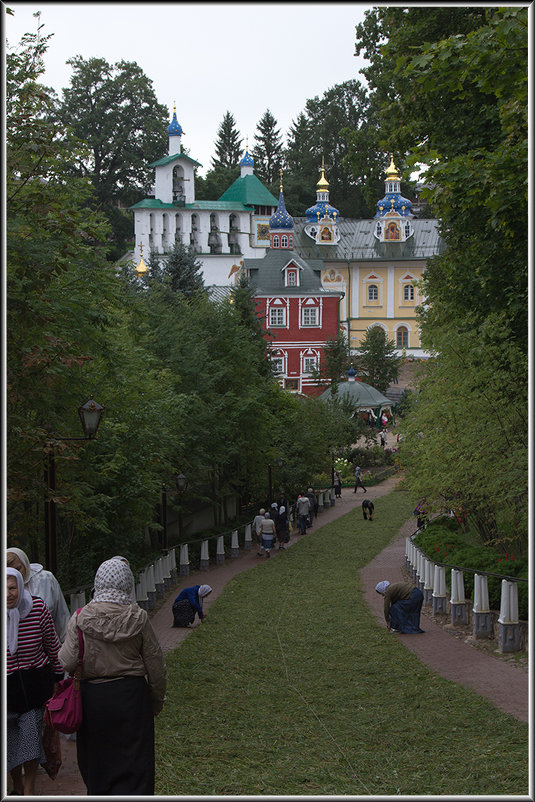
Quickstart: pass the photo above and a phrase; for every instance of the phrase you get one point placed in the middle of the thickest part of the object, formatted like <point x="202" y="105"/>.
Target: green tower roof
<point x="250" y="191"/>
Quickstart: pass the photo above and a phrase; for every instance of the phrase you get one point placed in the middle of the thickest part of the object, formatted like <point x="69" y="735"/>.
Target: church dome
<point x="324" y="208"/>
<point x="280" y="219"/>
<point x="174" y="129"/>
<point x="394" y="202"/>
<point x="247" y="160"/>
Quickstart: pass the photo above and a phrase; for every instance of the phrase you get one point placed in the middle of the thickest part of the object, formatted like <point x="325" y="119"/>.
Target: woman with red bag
<point x="123" y="686"/>
<point x="32" y="670"/>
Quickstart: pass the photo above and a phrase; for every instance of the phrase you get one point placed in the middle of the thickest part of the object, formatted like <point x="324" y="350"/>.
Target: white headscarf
<point x="382" y="586"/>
<point x="16" y="614"/>
<point x="23" y="557"/>
<point x="114" y="582"/>
<point x="204" y="590"/>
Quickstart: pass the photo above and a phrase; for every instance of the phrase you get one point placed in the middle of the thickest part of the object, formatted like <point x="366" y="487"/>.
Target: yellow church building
<point x="376" y="263"/>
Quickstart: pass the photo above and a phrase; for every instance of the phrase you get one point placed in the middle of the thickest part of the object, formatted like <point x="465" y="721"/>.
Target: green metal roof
<point x="266" y="276"/>
<point x="249" y="190"/>
<point x="357" y="242"/>
<point x="221" y="206"/>
<point x="172" y="158"/>
<point x="361" y="394"/>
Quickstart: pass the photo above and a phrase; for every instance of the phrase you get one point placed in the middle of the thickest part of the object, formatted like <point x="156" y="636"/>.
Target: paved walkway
<point x="503" y="683"/>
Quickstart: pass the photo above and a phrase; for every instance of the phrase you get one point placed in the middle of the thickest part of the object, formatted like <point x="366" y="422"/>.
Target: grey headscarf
<point x="114" y="582"/>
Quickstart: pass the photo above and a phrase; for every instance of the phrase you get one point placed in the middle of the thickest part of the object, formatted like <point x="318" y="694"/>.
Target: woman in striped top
<point x="32" y="669"/>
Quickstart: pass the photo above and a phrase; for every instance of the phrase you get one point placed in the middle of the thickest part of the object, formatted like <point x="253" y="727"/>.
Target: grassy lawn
<point x="292" y="688"/>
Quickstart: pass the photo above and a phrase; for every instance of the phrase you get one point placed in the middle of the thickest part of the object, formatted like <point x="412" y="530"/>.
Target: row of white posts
<point x="431" y="579"/>
<point x="156" y="579"/>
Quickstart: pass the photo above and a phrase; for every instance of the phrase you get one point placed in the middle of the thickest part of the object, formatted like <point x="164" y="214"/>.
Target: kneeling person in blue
<point x="403" y="605"/>
<point x="188" y="603"/>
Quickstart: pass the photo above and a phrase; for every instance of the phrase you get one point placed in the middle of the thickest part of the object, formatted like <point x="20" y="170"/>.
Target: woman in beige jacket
<point x="123" y="686"/>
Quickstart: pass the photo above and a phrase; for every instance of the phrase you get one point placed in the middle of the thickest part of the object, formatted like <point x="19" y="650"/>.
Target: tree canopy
<point x="228" y="145"/>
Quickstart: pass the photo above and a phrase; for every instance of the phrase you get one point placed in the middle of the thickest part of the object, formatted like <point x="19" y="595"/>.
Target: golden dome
<point x="392" y="171"/>
<point x="323" y="184"/>
<point x="141" y="266"/>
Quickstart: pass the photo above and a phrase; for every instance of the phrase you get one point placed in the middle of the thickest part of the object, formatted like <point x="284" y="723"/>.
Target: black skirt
<point x="183" y="613"/>
<point x="115" y="744"/>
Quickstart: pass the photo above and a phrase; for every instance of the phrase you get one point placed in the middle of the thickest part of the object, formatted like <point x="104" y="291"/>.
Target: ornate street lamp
<point x="90" y="416"/>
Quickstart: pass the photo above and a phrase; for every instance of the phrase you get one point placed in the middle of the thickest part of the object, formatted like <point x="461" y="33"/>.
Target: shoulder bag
<point x="63" y="711"/>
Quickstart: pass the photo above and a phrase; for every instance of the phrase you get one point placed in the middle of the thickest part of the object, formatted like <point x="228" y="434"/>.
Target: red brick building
<point x="299" y="314"/>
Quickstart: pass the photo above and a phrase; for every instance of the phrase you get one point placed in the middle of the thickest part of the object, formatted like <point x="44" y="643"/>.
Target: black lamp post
<point x="90" y="416"/>
<point x="280" y="463"/>
<point x="181" y="484"/>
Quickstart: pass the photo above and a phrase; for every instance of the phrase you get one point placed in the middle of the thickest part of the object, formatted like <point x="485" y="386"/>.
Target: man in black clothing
<point x="367" y="508"/>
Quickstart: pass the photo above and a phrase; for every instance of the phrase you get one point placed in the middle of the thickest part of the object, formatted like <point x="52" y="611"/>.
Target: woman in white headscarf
<point x="32" y="669"/>
<point x="123" y="686"/>
<point x="188" y="603"/>
<point x="44" y="584"/>
<point x="402" y="606"/>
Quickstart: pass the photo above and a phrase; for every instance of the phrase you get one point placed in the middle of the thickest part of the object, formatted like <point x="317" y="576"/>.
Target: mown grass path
<point x="294" y="688"/>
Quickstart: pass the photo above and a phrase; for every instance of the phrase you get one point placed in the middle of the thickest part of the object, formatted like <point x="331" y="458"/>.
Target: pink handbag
<point x="63" y="711"/>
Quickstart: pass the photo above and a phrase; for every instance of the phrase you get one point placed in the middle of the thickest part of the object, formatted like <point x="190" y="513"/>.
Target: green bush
<point x="443" y="541"/>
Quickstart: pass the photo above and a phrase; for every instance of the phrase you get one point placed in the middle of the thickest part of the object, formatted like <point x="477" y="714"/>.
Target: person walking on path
<point x="44" y="584"/>
<point x="188" y="604"/>
<point x="255" y="526"/>
<point x="358" y="480"/>
<point x="32" y="669"/>
<point x="402" y="606"/>
<point x="282" y="528"/>
<point x="267" y="531"/>
<point x="313" y="506"/>
<point x="123" y="687"/>
<point x="302" y="508"/>
<point x="338" y="484"/>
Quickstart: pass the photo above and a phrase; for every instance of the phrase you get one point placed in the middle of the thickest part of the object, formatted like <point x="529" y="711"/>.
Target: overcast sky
<point x="208" y="57"/>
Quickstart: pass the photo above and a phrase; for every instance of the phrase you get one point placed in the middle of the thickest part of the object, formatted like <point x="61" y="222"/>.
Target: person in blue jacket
<point x="188" y="603"/>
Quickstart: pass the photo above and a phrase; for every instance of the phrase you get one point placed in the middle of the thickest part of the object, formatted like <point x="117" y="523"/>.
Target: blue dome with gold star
<point x="174" y="129"/>
<point x="247" y="160"/>
<point x="281" y="219"/>
<point x="394" y="202"/>
<point x="325" y="209"/>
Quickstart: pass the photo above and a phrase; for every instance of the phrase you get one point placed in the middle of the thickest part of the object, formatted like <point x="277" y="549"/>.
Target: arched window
<point x="402" y="337"/>
<point x="284" y="241"/>
<point x="378" y="229"/>
<point x="407" y="230"/>
<point x="291" y="240"/>
<point x="275" y="240"/>
<point x="373" y="292"/>
<point x="408" y="292"/>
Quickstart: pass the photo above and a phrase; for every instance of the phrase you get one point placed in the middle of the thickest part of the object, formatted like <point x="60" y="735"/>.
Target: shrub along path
<point x="503" y="683"/>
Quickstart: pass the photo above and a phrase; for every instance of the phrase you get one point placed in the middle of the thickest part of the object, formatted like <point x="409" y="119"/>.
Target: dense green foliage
<point x="376" y="361"/>
<point x="450" y="542"/>
<point x="267" y="151"/>
<point x="467" y="430"/>
<point x="113" y="109"/>
<point x="314" y="691"/>
<point x="185" y="382"/>
<point x="228" y="145"/>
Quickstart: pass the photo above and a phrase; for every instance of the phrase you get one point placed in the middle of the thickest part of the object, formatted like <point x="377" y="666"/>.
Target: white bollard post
<point x="407" y="550"/>
<point x="248" y="538"/>
<point x="220" y="552"/>
<point x="429" y="569"/>
<point x="320" y="501"/>
<point x="508" y="625"/>
<point x="158" y="578"/>
<point x="172" y="565"/>
<point x="166" y="571"/>
<point x="482" y="618"/>
<point x="234" y="545"/>
<point x="439" y="590"/>
<point x="332" y="496"/>
<point x="151" y="586"/>
<point x="420" y="564"/>
<point x="184" y="560"/>
<point x="457" y="601"/>
<point x="205" y="556"/>
<point x="77" y="600"/>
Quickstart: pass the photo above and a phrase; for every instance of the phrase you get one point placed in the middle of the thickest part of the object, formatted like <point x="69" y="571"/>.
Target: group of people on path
<point x="275" y="525"/>
<point x="123" y="681"/>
